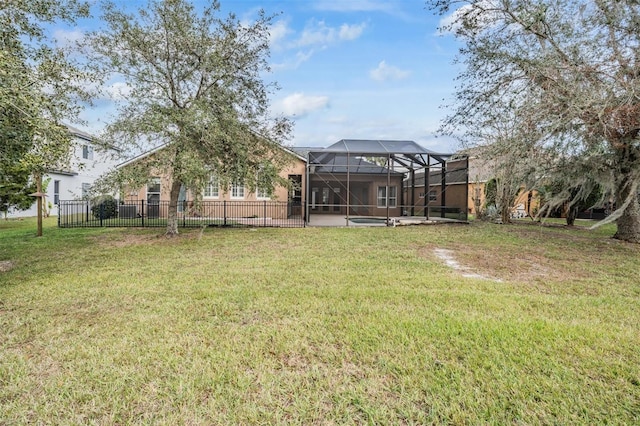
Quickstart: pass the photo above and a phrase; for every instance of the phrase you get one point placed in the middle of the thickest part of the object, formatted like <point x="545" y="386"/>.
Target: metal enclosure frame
<point x="350" y="163"/>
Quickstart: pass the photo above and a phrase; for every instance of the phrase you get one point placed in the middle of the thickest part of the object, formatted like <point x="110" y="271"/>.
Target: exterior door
<point x="295" y="195"/>
<point x="153" y="198"/>
<point x="359" y="200"/>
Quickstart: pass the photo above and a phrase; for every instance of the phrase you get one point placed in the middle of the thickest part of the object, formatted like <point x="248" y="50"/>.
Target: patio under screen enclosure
<point x="389" y="181"/>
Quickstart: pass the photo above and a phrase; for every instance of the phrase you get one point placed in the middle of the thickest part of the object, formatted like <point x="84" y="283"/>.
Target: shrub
<point x="104" y="207"/>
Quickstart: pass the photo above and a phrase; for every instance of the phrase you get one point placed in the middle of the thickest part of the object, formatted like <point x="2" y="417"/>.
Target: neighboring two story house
<point x="88" y="163"/>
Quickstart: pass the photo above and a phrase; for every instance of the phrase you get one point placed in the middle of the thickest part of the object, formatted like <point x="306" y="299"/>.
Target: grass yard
<point x="541" y="325"/>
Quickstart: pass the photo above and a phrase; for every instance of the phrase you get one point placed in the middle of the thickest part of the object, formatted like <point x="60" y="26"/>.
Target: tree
<point x="509" y="153"/>
<point x="195" y="83"/>
<point x="571" y="69"/>
<point x="571" y="191"/>
<point x="16" y="188"/>
<point x="40" y="87"/>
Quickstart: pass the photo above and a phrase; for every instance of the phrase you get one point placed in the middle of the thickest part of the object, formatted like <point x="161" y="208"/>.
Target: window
<point x="263" y="192"/>
<point x="325" y="199"/>
<point x="295" y="194"/>
<point x="382" y="196"/>
<point x="87" y="152"/>
<point x="212" y="189"/>
<point x="237" y="190"/>
<point x="433" y="195"/>
<point x="153" y="191"/>
<point x="336" y="199"/>
<point x="86" y="187"/>
<point x="56" y="192"/>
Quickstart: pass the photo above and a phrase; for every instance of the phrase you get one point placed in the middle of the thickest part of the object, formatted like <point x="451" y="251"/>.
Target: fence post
<point x="86" y="218"/>
<point x="224" y="212"/>
<point x="184" y="213"/>
<point x="59" y="212"/>
<point x="101" y="213"/>
<point x="142" y="211"/>
<point x="264" y="216"/>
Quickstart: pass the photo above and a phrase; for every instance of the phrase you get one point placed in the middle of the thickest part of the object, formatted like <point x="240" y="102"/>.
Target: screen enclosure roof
<point x="398" y="149"/>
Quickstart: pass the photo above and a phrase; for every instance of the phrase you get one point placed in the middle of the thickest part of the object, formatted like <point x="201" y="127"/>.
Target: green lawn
<point x="318" y="326"/>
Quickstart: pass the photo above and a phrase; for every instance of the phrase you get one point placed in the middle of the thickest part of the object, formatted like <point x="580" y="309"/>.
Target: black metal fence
<point x="239" y="214"/>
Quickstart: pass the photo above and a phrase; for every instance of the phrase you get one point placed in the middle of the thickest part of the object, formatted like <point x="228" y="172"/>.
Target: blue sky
<point x="347" y="69"/>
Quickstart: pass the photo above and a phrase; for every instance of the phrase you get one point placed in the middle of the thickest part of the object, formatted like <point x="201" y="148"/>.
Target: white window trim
<point x="56" y="192"/>
<point x="212" y="178"/>
<point x="154" y="181"/>
<point x="86" y="188"/>
<point x="88" y="149"/>
<point x="240" y="188"/>
<point x="382" y="201"/>
<point x="261" y="193"/>
<point x="393" y="200"/>
<point x="264" y="196"/>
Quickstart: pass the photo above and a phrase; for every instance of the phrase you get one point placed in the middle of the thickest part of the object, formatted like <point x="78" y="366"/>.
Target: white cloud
<point x="351" y="32"/>
<point x="67" y="38"/>
<point x="480" y="13"/>
<point x="319" y="33"/>
<point x="386" y="72"/>
<point x="278" y="33"/>
<point x="118" y="91"/>
<point x="294" y="62"/>
<point x="300" y="105"/>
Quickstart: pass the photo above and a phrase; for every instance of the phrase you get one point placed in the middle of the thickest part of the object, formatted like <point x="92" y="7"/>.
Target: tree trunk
<point x="505" y="213"/>
<point x="629" y="223"/>
<point x="503" y="200"/>
<point x="39" y="203"/>
<point x="172" y="217"/>
<point x="572" y="214"/>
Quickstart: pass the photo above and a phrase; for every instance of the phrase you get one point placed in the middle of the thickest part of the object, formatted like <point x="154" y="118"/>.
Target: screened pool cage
<point x="384" y="182"/>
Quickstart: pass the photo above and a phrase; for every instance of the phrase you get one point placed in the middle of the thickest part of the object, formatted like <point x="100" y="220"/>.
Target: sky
<point x="347" y="69"/>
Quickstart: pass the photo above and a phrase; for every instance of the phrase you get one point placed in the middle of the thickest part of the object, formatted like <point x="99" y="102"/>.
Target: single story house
<point x="152" y="199"/>
<point x="352" y="178"/>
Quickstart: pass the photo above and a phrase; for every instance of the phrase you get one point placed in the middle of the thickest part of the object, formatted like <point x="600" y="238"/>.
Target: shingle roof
<point x="357" y="165"/>
<point x="79" y="133"/>
<point x="148" y="153"/>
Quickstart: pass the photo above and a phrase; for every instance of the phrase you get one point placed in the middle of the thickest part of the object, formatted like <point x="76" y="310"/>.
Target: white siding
<point x="82" y="171"/>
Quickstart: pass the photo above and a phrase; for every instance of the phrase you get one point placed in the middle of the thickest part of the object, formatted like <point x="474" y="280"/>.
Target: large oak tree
<point x="570" y="71"/>
<point x="195" y="84"/>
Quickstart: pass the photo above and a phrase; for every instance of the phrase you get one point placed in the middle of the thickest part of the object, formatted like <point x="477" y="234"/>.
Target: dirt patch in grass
<point x="448" y="257"/>
<point x="6" y="265"/>
<point x="518" y="265"/>
<point x="527" y="264"/>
